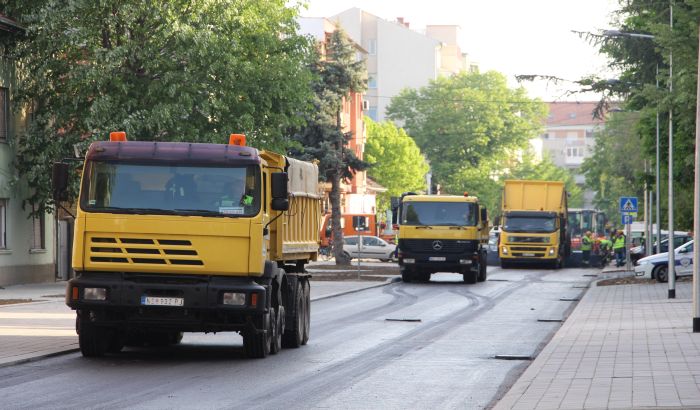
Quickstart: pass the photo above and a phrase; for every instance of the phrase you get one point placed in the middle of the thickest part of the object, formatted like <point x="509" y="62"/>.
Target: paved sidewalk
<point x="46" y="326"/>
<point x="624" y="346"/>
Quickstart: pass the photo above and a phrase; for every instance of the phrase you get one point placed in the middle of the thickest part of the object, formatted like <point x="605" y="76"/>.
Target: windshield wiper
<point x="423" y="227"/>
<point x="136" y="211"/>
<point x="207" y="212"/>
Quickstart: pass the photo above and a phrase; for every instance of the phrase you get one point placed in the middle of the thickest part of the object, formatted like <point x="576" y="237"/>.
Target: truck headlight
<point x="409" y="260"/>
<point x="551" y="251"/>
<point x="234" y="298"/>
<point x="465" y="261"/>
<point x="504" y="250"/>
<point x="95" y="294"/>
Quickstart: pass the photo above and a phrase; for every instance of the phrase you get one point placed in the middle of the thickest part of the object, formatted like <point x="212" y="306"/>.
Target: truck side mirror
<point x="484" y="215"/>
<point x="280" y="193"/>
<point x="497" y="221"/>
<point x="59" y="180"/>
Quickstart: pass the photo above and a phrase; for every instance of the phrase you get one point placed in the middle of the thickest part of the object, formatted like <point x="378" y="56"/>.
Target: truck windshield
<point x="544" y="224"/>
<point x="171" y="189"/>
<point x="439" y="214"/>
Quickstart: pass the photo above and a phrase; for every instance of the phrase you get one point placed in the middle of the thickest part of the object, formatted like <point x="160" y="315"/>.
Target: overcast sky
<point x="511" y="36"/>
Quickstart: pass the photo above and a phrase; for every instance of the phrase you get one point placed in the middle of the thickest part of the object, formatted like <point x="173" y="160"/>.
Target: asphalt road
<point x="430" y="345"/>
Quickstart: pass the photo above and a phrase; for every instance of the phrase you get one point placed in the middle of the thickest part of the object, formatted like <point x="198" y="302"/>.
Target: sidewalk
<point x="624" y="346"/>
<point x="46" y="326"/>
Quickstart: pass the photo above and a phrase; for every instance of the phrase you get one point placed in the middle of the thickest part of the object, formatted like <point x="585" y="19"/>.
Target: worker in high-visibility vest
<point x="586" y="246"/>
<point x="619" y="248"/>
<point x="604" y="246"/>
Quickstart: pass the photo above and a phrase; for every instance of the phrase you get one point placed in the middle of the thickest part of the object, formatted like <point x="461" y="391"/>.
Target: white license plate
<point x="161" y="301"/>
<point x="528" y="254"/>
<point x="437" y="259"/>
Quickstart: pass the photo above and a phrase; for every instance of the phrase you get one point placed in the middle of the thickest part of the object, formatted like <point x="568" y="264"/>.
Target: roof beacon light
<point x="466" y="193"/>
<point x="117" y="136"/>
<point x="237" y="139"/>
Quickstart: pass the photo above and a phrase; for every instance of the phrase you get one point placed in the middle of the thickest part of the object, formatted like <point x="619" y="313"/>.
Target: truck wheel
<point x="307" y="312"/>
<point x="406" y="275"/>
<point x="294" y="332"/>
<point x="505" y="264"/>
<point x="424" y="276"/>
<point x="469" y="277"/>
<point x="93" y="340"/>
<point x="277" y="326"/>
<point x="482" y="270"/>
<point x="257" y="343"/>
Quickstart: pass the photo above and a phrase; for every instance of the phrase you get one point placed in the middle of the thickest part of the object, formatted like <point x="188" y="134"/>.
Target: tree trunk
<point x="340" y="258"/>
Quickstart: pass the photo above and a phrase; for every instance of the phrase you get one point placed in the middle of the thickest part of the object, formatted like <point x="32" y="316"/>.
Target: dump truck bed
<point x="534" y="196"/>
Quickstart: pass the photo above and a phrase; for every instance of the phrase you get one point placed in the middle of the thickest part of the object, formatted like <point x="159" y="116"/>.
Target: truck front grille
<point x="142" y="251"/>
<point x="444" y="246"/>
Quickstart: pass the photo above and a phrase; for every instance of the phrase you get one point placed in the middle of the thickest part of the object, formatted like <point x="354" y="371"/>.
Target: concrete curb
<point x="346" y="292"/>
<point x="41" y="356"/>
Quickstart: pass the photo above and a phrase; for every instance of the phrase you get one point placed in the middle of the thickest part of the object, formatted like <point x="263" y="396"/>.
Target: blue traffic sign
<point x="627" y="219"/>
<point x="628" y="204"/>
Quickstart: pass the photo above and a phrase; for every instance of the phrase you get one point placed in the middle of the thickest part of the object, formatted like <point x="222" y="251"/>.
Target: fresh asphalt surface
<point x="415" y="345"/>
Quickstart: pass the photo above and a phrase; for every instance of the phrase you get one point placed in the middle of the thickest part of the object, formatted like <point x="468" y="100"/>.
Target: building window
<point x="372" y="46"/>
<point x="589" y="134"/>
<point x="4" y="114"/>
<point x="39" y="232"/>
<point x="3" y="223"/>
<point x="572" y="152"/>
<point x="372" y="81"/>
<point x="545" y="136"/>
<point x="372" y="113"/>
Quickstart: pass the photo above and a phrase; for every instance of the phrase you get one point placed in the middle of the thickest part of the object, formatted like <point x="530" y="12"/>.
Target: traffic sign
<point x="627" y="219"/>
<point x="628" y="204"/>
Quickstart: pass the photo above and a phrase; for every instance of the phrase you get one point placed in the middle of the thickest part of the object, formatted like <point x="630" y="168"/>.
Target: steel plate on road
<point x="161" y="301"/>
<point x="437" y="259"/>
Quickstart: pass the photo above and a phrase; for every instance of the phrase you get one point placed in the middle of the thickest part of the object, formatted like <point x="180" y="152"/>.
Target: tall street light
<point x="671" y="255"/>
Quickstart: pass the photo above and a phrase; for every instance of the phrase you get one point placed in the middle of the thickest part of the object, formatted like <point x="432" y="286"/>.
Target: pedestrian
<point x="619" y="249"/>
<point x="395" y="255"/>
<point x="586" y="246"/>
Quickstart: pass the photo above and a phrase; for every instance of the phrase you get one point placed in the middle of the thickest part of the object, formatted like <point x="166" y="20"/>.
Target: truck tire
<point x="469" y="276"/>
<point x="505" y="264"/>
<point x="277" y="326"/>
<point x="307" y="311"/>
<point x="94" y="341"/>
<point x="257" y="343"/>
<point x="406" y="275"/>
<point x="423" y="276"/>
<point x="294" y="331"/>
<point x="482" y="269"/>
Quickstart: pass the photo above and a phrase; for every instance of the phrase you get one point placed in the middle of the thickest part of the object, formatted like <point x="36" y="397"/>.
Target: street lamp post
<point x="696" y="211"/>
<point x="671" y="260"/>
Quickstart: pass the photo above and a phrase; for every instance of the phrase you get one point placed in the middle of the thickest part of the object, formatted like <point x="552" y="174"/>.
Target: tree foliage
<point x="338" y="74"/>
<point x="171" y="70"/>
<point x="637" y="59"/>
<point x="396" y="161"/>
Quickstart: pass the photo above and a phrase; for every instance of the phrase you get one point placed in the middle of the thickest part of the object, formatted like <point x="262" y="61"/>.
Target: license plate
<point x="528" y="254"/>
<point x="437" y="259"/>
<point x="161" y="301"/>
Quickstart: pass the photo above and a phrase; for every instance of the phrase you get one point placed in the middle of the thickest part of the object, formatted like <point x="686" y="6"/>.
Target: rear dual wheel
<point x="297" y="332"/>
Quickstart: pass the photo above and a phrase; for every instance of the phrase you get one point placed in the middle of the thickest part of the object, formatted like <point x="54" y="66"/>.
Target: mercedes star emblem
<point x="437" y="245"/>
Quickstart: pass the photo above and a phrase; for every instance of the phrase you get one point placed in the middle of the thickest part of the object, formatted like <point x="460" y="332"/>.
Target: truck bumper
<point x="168" y="302"/>
<point x="448" y="263"/>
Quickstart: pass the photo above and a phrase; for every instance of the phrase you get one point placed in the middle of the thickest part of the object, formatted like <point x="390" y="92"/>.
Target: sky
<point x="514" y="37"/>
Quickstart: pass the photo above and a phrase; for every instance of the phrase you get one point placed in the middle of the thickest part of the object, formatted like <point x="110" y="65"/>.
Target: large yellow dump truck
<point x="442" y="233"/>
<point x="183" y="237"/>
<point x="534" y="223"/>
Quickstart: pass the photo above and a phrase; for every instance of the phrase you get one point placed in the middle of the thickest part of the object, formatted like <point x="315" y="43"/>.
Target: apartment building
<point x="359" y="194"/>
<point x="569" y="137"/>
<point x="26" y="244"/>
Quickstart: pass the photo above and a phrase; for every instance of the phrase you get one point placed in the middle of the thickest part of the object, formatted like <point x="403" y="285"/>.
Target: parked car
<point x="639" y="252"/>
<point x="372" y="247"/>
<point x="656" y="266"/>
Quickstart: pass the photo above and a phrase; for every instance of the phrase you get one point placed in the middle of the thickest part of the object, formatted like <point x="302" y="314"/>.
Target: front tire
<point x="482" y="269"/>
<point x="661" y="273"/>
<point x="257" y="343"/>
<point x="469" y="277"/>
<point x="94" y="341"/>
<point x="406" y="276"/>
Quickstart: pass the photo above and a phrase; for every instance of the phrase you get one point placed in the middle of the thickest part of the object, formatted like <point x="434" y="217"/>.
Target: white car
<point x="372" y="247"/>
<point x="656" y="266"/>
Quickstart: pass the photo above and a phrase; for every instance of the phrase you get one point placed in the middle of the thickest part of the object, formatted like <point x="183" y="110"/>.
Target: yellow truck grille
<point x="143" y="251"/>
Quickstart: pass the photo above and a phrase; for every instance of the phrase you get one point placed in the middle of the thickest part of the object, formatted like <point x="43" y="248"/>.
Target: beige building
<point x="569" y="137"/>
<point x="452" y="59"/>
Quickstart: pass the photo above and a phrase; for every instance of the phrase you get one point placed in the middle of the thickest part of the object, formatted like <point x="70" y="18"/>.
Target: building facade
<point x="357" y="195"/>
<point x="569" y="137"/>
<point x="27" y="245"/>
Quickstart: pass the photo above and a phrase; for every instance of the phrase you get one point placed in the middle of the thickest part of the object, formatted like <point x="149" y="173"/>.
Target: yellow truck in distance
<point x="442" y="233"/>
<point x="534" y="223"/>
<point x="175" y="237"/>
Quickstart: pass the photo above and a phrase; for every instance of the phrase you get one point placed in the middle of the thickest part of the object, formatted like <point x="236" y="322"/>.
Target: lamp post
<point x="671" y="255"/>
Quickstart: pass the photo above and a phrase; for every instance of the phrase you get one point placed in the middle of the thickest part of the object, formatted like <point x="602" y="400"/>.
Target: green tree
<point x="395" y="159"/>
<point x="339" y="74"/>
<point x="466" y="124"/>
<point x="189" y="70"/>
<point x="616" y="167"/>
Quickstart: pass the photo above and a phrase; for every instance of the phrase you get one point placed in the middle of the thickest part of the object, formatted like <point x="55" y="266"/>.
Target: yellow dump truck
<point x="442" y="233"/>
<point x="175" y="237"/>
<point x="534" y="223"/>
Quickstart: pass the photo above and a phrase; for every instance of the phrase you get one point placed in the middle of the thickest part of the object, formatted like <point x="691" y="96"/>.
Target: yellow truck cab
<point x="534" y="224"/>
<point x="442" y="233"/>
<point x="175" y="237"/>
